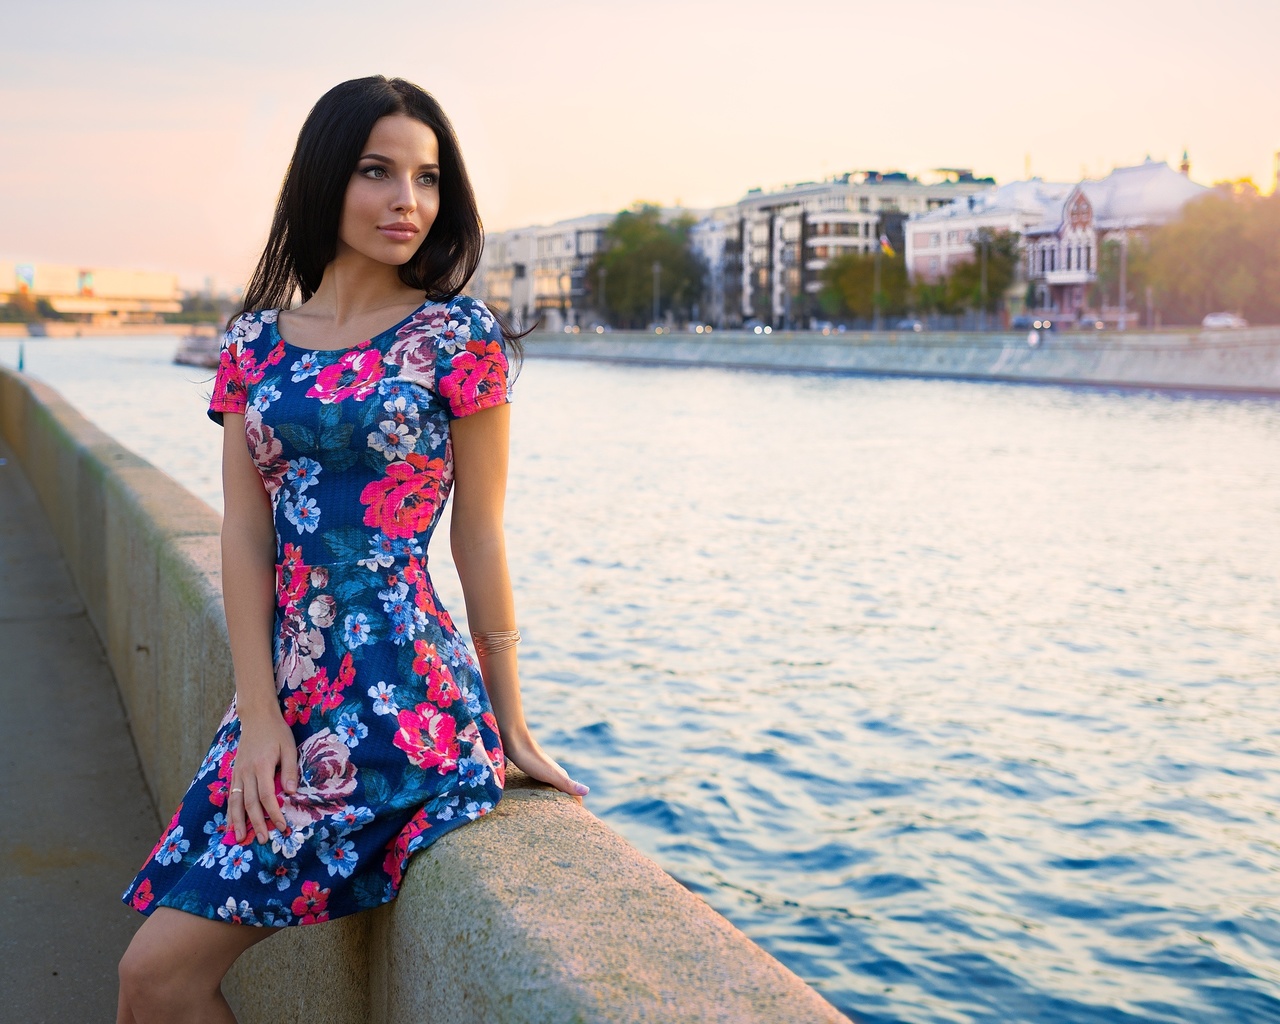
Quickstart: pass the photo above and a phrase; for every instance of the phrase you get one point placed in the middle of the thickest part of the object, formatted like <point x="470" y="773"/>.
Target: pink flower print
<point x="266" y="450"/>
<point x="142" y="896"/>
<point x="403" y="501"/>
<point x="441" y="689"/>
<point x="415" y="354"/>
<point x="234" y="392"/>
<point x="292" y="578"/>
<point x="302" y="647"/>
<point x="312" y="906"/>
<point x="326" y="778"/>
<point x="478" y="372"/>
<point x="398" y="848"/>
<point x="428" y="321"/>
<point x="218" y="789"/>
<point x="355" y="375"/>
<point x="428" y="736"/>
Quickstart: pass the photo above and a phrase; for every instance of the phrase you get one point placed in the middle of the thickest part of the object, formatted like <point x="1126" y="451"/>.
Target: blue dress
<point x="397" y="742"/>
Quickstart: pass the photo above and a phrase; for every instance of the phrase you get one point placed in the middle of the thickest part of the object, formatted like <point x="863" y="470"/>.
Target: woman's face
<point x="394" y="194"/>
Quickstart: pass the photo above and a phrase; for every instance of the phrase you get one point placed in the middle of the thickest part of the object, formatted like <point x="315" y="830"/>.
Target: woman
<point x="362" y="727"/>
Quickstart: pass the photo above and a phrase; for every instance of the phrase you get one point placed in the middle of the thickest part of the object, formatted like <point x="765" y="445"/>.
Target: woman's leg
<point x="173" y="968"/>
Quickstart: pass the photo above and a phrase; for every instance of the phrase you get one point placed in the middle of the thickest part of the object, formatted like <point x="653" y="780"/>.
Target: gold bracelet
<point x="497" y="640"/>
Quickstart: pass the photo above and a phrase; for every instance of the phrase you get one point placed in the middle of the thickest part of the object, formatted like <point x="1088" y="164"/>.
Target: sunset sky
<point x="154" y="135"/>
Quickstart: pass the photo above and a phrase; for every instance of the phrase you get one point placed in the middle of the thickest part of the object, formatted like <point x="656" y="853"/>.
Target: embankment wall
<point x="1242" y="360"/>
<point x="535" y="913"/>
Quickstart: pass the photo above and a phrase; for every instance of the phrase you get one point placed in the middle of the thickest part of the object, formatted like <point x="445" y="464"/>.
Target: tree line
<point x="1221" y="253"/>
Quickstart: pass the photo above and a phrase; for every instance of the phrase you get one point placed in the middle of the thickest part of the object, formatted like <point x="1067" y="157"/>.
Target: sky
<point x="155" y="135"/>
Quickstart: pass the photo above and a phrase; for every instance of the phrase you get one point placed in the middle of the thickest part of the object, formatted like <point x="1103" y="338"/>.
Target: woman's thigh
<point x="176" y="948"/>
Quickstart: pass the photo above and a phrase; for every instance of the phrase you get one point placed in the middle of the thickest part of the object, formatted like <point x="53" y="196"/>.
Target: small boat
<point x="198" y="350"/>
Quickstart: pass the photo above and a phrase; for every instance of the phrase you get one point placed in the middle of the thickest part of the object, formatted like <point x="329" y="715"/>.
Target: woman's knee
<point x="148" y="980"/>
<point x="156" y="973"/>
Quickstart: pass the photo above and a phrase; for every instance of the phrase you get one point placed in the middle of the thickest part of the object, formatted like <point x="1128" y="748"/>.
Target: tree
<point x="980" y="283"/>
<point x="848" y="285"/>
<point x="1221" y="253"/>
<point x="634" y="242"/>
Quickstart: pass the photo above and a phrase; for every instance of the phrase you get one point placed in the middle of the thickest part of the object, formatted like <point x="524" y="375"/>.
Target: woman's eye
<point x="429" y="179"/>
<point x="374" y="172"/>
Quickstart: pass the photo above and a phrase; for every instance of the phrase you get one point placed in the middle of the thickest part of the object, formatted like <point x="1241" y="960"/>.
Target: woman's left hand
<point x="535" y="762"/>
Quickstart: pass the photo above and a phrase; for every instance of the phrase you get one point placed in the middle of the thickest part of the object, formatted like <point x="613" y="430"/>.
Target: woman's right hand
<point x="266" y="744"/>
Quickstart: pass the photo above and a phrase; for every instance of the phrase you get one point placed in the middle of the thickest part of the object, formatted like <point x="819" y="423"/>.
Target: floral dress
<point x="397" y="742"/>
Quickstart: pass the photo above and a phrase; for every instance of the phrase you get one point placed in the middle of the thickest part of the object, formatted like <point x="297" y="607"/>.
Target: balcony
<point x="1072" y="276"/>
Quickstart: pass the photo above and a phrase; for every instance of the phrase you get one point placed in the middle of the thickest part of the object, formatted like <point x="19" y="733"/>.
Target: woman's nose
<point x="405" y="202"/>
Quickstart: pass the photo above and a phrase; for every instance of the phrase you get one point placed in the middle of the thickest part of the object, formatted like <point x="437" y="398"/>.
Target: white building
<point x="788" y="236"/>
<point x="541" y="271"/>
<point x="1061" y="252"/>
<point x="937" y="241"/>
<point x="764" y="255"/>
<point x="717" y="240"/>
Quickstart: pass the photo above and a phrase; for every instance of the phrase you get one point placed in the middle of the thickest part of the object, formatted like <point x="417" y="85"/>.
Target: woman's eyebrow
<point x="388" y="160"/>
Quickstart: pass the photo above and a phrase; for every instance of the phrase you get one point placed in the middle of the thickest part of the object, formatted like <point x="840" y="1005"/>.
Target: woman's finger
<point x="253" y="808"/>
<point x="289" y="768"/>
<point x="270" y="805"/>
<point x="235" y="809"/>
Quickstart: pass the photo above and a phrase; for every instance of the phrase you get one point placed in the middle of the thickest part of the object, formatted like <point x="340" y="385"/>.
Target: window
<point x="864" y="204"/>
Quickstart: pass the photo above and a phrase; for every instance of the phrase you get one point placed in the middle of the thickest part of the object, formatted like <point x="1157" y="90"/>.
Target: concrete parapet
<point x="1244" y="360"/>
<point x="536" y="913"/>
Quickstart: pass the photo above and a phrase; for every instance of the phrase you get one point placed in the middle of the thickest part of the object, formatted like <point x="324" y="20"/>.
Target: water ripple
<point x="959" y="699"/>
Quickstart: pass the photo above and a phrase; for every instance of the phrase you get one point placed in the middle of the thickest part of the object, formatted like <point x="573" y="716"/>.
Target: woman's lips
<point x="399" y="232"/>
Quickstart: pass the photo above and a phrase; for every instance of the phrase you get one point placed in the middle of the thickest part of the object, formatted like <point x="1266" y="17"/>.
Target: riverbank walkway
<point x="78" y="819"/>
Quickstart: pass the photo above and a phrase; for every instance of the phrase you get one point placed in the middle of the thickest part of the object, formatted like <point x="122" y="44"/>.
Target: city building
<point x="717" y="240"/>
<point x="937" y="241"/>
<point x="788" y="236"/>
<point x="764" y="255"/>
<point x="94" y="294"/>
<point x="541" y="272"/>
<point x="1062" y="252"/>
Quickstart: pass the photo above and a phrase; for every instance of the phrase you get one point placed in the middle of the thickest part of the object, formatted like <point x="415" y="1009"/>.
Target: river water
<point x="960" y="699"/>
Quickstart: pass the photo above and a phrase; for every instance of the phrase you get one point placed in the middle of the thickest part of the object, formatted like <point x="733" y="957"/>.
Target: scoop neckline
<point x="394" y="328"/>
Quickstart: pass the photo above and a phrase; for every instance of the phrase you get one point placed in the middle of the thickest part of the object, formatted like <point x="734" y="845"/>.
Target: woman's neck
<point x="354" y="287"/>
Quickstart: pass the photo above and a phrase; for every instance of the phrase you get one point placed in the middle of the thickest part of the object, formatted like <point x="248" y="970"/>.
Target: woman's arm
<point x="249" y="595"/>
<point x="479" y="551"/>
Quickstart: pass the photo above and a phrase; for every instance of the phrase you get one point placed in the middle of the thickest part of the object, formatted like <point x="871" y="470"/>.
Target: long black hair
<point x="304" y="231"/>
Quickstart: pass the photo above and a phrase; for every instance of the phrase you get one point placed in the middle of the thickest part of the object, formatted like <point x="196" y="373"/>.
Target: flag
<point x="885" y="247"/>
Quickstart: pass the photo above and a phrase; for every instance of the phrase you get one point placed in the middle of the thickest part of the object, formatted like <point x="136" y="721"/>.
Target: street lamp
<point x="1124" y="260"/>
<point x="657" y="274"/>
<point x="983" y="237"/>
<point x="602" y="273"/>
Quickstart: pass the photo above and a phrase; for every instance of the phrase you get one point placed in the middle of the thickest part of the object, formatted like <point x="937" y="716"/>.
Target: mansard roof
<point x="1147" y="194"/>
<point x="1029" y="197"/>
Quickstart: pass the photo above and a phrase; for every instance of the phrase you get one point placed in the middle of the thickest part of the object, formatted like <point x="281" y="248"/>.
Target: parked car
<point x="909" y="325"/>
<point x="1223" y="321"/>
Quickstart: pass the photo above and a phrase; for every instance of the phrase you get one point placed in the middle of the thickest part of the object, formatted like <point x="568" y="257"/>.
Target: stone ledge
<point x="536" y="913"/>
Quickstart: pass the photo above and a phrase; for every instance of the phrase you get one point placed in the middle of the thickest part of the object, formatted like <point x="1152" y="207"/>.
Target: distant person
<point x="363" y="727"/>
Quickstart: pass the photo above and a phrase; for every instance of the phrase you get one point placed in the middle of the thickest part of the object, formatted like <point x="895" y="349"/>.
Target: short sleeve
<point x="471" y="360"/>
<point x="229" y="390"/>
